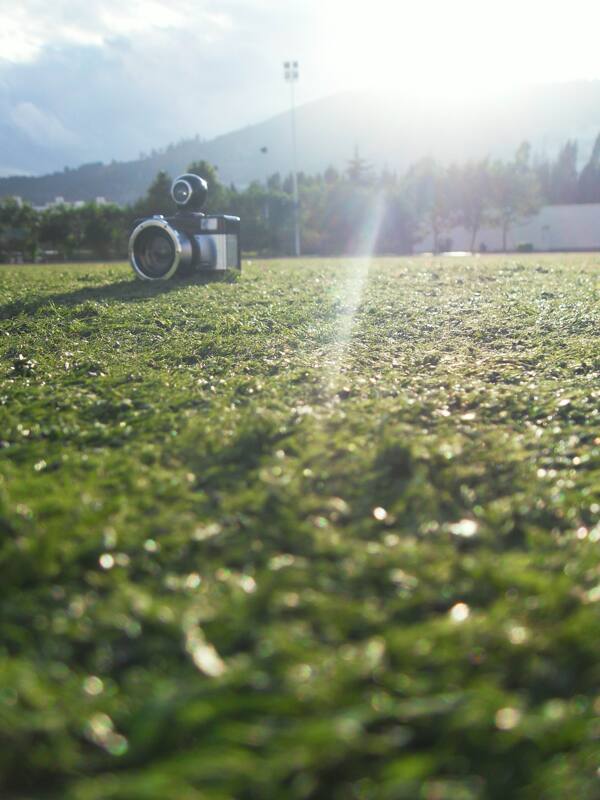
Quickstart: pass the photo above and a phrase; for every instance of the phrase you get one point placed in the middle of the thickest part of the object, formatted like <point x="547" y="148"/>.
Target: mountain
<point x="389" y="130"/>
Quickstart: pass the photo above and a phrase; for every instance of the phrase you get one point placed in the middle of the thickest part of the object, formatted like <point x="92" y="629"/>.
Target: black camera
<point x="188" y="242"/>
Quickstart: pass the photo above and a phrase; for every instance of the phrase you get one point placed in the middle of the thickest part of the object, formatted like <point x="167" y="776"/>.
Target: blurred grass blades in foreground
<point x="298" y="537"/>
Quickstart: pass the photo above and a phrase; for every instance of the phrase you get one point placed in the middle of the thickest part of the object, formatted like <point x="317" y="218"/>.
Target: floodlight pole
<point x="291" y="73"/>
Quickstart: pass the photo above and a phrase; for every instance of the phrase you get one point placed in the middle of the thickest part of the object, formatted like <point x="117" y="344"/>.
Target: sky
<point x="90" y="80"/>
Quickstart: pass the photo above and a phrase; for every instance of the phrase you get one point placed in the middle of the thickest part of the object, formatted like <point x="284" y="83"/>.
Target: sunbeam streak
<point x="362" y="250"/>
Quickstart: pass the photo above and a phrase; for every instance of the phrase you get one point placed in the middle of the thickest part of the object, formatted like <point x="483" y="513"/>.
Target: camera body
<point x="188" y="242"/>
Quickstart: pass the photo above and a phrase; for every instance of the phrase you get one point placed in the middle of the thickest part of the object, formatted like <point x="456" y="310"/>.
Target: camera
<point x="187" y="243"/>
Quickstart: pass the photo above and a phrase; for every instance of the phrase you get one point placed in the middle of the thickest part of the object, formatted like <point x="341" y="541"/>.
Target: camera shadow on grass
<point x="124" y="291"/>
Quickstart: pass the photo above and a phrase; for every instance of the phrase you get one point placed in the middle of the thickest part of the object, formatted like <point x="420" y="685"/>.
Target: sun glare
<point x="459" y="48"/>
<point x="350" y="293"/>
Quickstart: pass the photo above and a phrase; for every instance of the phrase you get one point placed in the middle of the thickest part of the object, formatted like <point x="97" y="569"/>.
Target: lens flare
<point x="362" y="250"/>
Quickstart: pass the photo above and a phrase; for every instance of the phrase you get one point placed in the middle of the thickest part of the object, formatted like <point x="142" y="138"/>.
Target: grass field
<point x="327" y="533"/>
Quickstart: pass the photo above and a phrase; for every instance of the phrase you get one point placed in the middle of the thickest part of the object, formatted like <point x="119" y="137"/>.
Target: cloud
<point x="111" y="78"/>
<point x="41" y="127"/>
<point x="30" y="26"/>
<point x="103" y="80"/>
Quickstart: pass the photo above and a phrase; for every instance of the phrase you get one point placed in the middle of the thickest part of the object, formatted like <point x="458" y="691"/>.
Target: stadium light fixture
<point x="291" y="74"/>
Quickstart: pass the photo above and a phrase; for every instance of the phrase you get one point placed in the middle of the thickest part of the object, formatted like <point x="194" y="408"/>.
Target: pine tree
<point x="359" y="170"/>
<point x="589" y="180"/>
<point x="158" y="197"/>
<point x="563" y="175"/>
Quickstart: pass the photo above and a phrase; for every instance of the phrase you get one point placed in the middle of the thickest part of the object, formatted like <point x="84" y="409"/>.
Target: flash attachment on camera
<point x="189" y="191"/>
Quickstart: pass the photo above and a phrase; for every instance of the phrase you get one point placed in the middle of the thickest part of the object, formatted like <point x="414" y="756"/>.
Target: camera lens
<point x="154" y="252"/>
<point x="157" y="250"/>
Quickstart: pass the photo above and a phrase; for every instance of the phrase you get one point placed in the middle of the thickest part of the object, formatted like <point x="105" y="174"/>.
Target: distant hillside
<point x="390" y="131"/>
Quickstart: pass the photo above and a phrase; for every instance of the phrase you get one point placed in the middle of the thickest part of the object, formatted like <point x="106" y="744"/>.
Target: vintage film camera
<point x="187" y="243"/>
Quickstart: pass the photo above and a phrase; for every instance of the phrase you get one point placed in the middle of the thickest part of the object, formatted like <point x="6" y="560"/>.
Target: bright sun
<point x="458" y="47"/>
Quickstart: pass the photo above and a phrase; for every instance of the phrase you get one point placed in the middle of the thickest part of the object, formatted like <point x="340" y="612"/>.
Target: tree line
<point x="341" y="211"/>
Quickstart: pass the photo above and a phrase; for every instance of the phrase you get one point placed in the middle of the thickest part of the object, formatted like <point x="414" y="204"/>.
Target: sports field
<point x="329" y="532"/>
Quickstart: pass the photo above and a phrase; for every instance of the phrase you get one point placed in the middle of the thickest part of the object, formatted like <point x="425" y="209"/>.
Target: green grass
<point x="301" y="537"/>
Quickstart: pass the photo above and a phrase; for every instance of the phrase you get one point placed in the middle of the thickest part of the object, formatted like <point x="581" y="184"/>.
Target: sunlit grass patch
<point x="253" y="550"/>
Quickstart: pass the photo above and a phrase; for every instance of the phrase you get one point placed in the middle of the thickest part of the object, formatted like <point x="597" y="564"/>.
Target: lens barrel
<point x="157" y="250"/>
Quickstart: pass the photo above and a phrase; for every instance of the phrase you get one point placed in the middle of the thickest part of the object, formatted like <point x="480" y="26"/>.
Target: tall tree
<point x="274" y="182"/>
<point x="474" y="197"/>
<point x="430" y="192"/>
<point x="19" y="228"/>
<point x="158" y="197"/>
<point x="358" y="170"/>
<point x="102" y="232"/>
<point x="542" y="169"/>
<point x="589" y="180"/>
<point x="331" y="176"/>
<point x="563" y="175"/>
<point x="62" y="229"/>
<point x="515" y="194"/>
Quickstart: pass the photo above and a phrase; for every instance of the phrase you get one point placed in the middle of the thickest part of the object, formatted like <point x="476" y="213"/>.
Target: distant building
<point x="567" y="227"/>
<point x="60" y="201"/>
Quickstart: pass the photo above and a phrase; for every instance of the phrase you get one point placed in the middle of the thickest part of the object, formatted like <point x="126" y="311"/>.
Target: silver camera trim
<point x="177" y="243"/>
<point x="190" y="191"/>
<point x="217" y="251"/>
